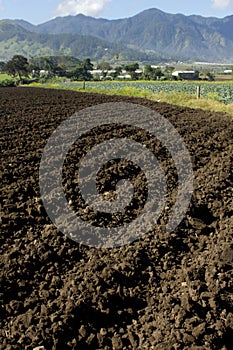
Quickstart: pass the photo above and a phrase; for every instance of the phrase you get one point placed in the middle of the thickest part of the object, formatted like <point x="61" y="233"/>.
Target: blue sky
<point x="41" y="11"/>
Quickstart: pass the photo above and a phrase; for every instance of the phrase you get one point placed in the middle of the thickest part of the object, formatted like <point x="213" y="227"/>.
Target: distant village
<point x="44" y="68"/>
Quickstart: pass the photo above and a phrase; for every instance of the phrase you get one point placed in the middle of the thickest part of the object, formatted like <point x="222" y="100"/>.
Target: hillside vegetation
<point x="171" y="35"/>
<point x="15" y="39"/>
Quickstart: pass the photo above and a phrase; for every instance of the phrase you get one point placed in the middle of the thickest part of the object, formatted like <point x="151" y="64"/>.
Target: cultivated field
<point x="222" y="92"/>
<point x="164" y="291"/>
<point x="215" y="96"/>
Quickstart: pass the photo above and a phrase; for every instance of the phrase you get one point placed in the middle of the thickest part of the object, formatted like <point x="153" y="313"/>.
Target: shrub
<point x="8" y="83"/>
<point x="27" y="81"/>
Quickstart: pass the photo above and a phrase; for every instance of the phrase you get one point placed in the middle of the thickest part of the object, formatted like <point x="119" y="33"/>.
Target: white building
<point x="186" y="74"/>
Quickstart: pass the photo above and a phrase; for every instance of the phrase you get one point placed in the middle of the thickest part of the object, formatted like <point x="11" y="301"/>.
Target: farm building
<point x="124" y="76"/>
<point x="99" y="73"/>
<point x="187" y="75"/>
<point x="227" y="71"/>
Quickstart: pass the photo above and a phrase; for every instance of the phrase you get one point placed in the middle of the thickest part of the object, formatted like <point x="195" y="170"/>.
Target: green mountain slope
<point x="151" y="31"/>
<point x="186" y="37"/>
<point x="15" y="39"/>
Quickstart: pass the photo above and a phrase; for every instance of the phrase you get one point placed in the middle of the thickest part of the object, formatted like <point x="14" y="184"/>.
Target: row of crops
<point x="222" y="92"/>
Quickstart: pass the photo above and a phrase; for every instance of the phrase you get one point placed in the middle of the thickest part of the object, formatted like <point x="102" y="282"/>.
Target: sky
<point x="40" y="11"/>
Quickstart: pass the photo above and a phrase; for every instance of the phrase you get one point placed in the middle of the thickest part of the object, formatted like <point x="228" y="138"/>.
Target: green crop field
<point x="216" y="96"/>
<point x="222" y="92"/>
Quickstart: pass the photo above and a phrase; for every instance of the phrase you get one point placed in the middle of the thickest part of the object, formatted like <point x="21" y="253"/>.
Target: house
<point x="187" y="75"/>
<point x="103" y="74"/>
<point x="227" y="71"/>
<point x="125" y="76"/>
<point x="44" y="73"/>
<point x="157" y="67"/>
<point x="96" y="73"/>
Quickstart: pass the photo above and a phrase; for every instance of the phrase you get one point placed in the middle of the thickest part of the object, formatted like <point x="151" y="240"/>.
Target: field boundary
<point x="179" y="98"/>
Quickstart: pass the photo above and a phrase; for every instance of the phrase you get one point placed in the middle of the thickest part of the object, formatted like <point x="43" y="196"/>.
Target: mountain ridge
<point x="178" y="36"/>
<point x="14" y="39"/>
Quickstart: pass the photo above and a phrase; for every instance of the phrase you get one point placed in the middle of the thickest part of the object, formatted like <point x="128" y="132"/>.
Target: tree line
<point x="21" y="67"/>
<point x="38" y="68"/>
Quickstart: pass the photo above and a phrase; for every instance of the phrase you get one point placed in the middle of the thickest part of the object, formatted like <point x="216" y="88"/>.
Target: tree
<point x="196" y="74"/>
<point x="117" y="72"/>
<point x="87" y="65"/>
<point x="82" y="72"/>
<point x="168" y="72"/>
<point x="2" y="65"/>
<point x="104" y="66"/>
<point x="169" y="69"/>
<point x="79" y="74"/>
<point x="152" y="73"/>
<point x="148" y="70"/>
<point x="210" y="76"/>
<point x="131" y="67"/>
<point x="207" y="75"/>
<point x="158" y="73"/>
<point x="60" y="71"/>
<point x="52" y="65"/>
<point x="18" y="65"/>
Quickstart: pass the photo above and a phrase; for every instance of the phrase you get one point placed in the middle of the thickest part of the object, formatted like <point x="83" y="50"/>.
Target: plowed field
<point x="163" y="291"/>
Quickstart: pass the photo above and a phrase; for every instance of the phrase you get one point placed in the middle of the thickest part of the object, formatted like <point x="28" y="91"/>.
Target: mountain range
<point x="148" y="36"/>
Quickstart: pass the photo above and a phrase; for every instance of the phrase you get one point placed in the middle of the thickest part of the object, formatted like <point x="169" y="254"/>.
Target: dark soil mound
<point x="160" y="292"/>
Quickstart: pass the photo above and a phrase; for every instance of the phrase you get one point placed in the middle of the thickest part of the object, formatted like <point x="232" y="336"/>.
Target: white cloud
<point x="86" y="7"/>
<point x="221" y="4"/>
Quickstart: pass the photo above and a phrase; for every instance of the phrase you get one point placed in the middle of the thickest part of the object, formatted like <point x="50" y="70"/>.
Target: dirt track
<point x="161" y="292"/>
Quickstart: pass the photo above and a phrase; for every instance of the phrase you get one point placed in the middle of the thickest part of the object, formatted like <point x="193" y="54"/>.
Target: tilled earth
<point x="163" y="291"/>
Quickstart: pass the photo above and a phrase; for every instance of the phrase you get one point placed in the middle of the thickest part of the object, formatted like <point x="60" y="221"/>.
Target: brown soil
<point x="160" y="292"/>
